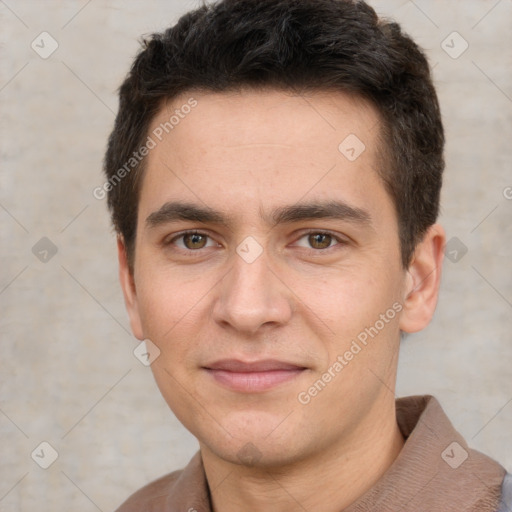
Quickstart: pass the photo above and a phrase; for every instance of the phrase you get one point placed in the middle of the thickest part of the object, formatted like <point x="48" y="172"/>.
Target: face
<point x="267" y="272"/>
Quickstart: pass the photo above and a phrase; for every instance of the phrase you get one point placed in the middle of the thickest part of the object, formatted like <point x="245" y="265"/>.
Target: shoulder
<point x="152" y="496"/>
<point x="506" y="494"/>
<point x="186" y="489"/>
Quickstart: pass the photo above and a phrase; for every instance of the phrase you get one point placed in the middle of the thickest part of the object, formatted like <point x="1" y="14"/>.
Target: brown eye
<point x="320" y="240"/>
<point x="194" y="240"/>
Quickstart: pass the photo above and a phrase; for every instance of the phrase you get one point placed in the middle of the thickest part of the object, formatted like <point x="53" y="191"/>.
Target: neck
<point x="329" y="481"/>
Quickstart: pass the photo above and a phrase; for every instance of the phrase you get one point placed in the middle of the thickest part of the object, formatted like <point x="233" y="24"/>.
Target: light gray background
<point x="68" y="374"/>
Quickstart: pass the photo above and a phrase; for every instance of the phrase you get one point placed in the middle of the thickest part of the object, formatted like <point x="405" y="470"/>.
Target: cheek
<point x="157" y="308"/>
<point x="174" y="312"/>
<point x="346" y="298"/>
<point x="168" y="301"/>
<point x="356" y="313"/>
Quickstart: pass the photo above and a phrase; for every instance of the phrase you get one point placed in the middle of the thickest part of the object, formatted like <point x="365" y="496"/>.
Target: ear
<point x="126" y="278"/>
<point x="423" y="281"/>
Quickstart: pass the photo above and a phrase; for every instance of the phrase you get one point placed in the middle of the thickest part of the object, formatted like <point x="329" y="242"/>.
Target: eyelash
<point x="182" y="235"/>
<point x="335" y="238"/>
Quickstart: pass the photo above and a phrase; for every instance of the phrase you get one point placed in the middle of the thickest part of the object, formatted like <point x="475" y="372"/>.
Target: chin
<point x="254" y="442"/>
<point x="260" y="454"/>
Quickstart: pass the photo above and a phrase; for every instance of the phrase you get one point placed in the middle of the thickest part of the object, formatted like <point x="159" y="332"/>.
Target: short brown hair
<point x="295" y="45"/>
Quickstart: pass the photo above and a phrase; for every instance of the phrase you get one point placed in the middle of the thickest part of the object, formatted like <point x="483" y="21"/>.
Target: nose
<point x="252" y="296"/>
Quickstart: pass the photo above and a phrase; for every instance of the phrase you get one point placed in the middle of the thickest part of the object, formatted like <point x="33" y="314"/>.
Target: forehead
<point x="233" y="150"/>
<point x="258" y="115"/>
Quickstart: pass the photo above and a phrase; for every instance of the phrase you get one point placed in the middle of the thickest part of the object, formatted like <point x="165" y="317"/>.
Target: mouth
<point x="253" y="377"/>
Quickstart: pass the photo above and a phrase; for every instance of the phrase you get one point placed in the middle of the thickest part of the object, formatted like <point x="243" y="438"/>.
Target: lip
<point x="252" y="377"/>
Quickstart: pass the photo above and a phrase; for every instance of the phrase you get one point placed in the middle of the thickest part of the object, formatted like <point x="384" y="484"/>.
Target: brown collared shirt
<point x="436" y="471"/>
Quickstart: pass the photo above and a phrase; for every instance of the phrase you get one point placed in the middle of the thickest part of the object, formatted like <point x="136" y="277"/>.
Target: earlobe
<point x="423" y="281"/>
<point x="127" y="281"/>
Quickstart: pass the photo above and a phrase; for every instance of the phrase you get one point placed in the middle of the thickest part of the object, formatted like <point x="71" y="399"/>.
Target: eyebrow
<point x="173" y="211"/>
<point x="321" y="210"/>
<point x="176" y="210"/>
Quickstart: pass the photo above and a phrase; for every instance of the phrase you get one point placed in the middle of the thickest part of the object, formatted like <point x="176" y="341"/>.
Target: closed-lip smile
<point x="253" y="376"/>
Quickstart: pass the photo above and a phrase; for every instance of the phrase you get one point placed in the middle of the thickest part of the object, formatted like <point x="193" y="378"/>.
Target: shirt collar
<point x="436" y="470"/>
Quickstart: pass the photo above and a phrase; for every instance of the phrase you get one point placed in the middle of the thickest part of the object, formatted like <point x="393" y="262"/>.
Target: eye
<point x="318" y="240"/>
<point x="192" y="240"/>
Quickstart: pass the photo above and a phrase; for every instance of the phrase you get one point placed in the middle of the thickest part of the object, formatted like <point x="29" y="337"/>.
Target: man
<point x="274" y="176"/>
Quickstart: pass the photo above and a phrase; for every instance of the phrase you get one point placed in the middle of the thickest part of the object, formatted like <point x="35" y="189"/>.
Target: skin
<point x="245" y="155"/>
